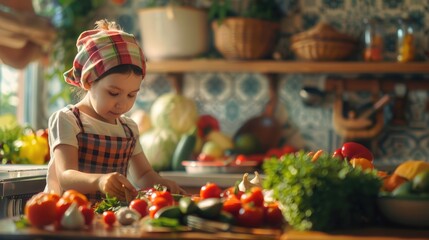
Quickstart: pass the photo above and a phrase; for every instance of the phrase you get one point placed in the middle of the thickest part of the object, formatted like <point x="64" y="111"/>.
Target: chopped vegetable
<point x="108" y="204"/>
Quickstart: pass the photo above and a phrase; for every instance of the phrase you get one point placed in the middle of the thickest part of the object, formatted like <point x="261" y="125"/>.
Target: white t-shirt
<point x="63" y="129"/>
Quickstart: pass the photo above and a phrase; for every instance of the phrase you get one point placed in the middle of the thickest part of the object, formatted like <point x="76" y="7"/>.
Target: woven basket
<point x="320" y="50"/>
<point x="322" y="43"/>
<point x="245" y="38"/>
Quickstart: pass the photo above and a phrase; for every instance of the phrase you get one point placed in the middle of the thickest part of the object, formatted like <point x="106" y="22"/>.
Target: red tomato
<point x="153" y="209"/>
<point x="75" y="196"/>
<point x="250" y="216"/>
<point x="61" y="206"/>
<point x="164" y="194"/>
<point x="210" y="190"/>
<point x="274" y="152"/>
<point x="254" y="196"/>
<point x="232" y="205"/>
<point x="288" y="149"/>
<point x="355" y="150"/>
<point x="337" y="154"/>
<point x="272" y="214"/>
<point x="140" y="206"/>
<point x="88" y="214"/>
<point x="40" y="210"/>
<point x="109" y="217"/>
<point x="205" y="158"/>
<point x="231" y="192"/>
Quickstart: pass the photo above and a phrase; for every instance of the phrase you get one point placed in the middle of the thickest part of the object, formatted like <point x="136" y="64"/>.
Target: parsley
<point x="323" y="195"/>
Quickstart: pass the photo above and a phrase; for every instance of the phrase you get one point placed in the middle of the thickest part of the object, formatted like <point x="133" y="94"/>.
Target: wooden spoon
<point x="264" y="127"/>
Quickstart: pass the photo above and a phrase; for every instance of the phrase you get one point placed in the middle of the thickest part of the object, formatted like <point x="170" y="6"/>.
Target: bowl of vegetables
<point x="409" y="211"/>
<point x="408" y="204"/>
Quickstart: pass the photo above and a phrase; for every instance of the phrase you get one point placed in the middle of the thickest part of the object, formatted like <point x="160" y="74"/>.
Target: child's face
<point x="114" y="95"/>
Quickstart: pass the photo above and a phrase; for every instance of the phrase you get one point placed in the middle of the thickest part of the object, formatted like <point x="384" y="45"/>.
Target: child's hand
<point x="117" y="185"/>
<point x="172" y="186"/>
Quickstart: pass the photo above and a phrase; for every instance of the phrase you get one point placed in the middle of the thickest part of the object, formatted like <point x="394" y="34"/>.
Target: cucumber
<point x="187" y="206"/>
<point x="183" y="150"/>
<point x="169" y="212"/>
<point x="209" y="208"/>
<point x="226" y="217"/>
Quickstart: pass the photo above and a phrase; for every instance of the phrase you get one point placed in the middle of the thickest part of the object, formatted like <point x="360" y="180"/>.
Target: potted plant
<point x="247" y="30"/>
<point x="173" y="29"/>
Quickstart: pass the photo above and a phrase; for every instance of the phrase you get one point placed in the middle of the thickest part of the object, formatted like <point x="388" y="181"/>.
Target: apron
<point x="103" y="154"/>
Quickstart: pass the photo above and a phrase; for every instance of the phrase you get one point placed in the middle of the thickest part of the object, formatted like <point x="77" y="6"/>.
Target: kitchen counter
<point x="99" y="231"/>
<point x="18" y="182"/>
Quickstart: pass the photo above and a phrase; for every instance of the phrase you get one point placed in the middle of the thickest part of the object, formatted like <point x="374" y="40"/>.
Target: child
<point x="92" y="143"/>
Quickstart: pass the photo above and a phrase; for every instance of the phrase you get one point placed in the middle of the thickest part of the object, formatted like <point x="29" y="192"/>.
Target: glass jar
<point x="373" y="39"/>
<point x="405" y="49"/>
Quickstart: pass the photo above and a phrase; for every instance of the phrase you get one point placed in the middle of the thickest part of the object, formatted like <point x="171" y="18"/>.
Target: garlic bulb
<point x="73" y="218"/>
<point x="127" y="216"/>
<point x="256" y="180"/>
<point x="245" y="184"/>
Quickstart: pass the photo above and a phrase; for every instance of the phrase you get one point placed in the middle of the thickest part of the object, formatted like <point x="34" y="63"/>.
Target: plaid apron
<point x="103" y="154"/>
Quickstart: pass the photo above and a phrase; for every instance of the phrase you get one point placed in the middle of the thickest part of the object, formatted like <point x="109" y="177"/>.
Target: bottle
<point x="405" y="49"/>
<point x="373" y="39"/>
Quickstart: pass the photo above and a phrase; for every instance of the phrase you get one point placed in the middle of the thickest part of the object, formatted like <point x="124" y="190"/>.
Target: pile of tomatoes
<point x="44" y="209"/>
<point x="248" y="208"/>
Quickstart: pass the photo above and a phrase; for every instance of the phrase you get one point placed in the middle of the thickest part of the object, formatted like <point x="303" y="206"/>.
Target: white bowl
<point x="409" y="211"/>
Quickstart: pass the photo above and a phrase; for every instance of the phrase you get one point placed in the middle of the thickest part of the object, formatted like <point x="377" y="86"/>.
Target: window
<point x="22" y="95"/>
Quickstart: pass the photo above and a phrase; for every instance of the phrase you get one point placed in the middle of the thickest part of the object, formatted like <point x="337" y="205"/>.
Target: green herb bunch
<point x="258" y="9"/>
<point x="322" y="195"/>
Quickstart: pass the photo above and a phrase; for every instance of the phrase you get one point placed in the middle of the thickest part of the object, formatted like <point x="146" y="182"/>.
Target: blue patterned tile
<point x="393" y="3"/>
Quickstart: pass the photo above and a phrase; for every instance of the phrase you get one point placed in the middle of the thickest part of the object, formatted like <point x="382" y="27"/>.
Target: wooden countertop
<point x="99" y="231"/>
<point x="360" y="234"/>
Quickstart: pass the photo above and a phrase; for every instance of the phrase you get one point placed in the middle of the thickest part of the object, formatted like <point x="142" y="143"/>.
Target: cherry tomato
<point x="88" y="214"/>
<point x="140" y="206"/>
<point x="356" y="150"/>
<point x="210" y="190"/>
<point x="232" y="205"/>
<point x="337" y="154"/>
<point x="164" y="194"/>
<point x="156" y="204"/>
<point x="250" y="216"/>
<point x="254" y="196"/>
<point x="231" y="192"/>
<point x="288" y="149"/>
<point x="109" y="217"/>
<point x="272" y="214"/>
<point x="153" y="209"/>
<point x="40" y="209"/>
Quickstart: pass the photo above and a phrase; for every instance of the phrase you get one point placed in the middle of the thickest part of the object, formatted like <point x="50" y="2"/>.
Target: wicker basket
<point x="245" y="38"/>
<point x="322" y="43"/>
<point x="320" y="50"/>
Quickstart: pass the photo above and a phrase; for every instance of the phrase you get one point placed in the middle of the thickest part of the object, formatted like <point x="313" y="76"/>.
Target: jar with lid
<point x="373" y="39"/>
<point x="405" y="49"/>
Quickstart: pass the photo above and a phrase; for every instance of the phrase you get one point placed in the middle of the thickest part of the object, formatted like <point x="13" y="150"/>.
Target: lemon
<point x="247" y="143"/>
<point x="213" y="149"/>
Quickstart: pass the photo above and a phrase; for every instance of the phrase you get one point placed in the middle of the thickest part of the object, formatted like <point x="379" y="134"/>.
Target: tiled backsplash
<point x="233" y="98"/>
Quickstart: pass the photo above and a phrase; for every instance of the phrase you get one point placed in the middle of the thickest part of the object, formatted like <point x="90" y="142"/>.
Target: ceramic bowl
<point x="409" y="211"/>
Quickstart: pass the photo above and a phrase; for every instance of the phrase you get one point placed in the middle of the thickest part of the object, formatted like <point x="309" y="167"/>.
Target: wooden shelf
<point x="267" y="66"/>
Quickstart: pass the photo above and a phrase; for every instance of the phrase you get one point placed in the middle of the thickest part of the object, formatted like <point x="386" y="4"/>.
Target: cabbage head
<point x="159" y="145"/>
<point x="175" y="112"/>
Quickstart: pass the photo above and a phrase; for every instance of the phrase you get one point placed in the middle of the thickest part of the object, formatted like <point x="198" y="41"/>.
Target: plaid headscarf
<point x="100" y="50"/>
